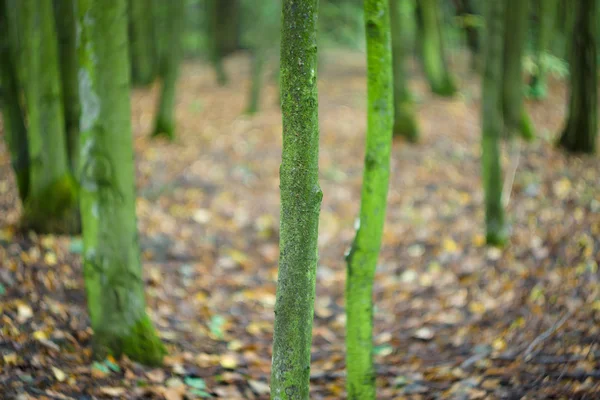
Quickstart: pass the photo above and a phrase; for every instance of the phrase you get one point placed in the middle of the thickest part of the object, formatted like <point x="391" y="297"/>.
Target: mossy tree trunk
<point x="300" y="202"/>
<point x="111" y="258"/>
<point x="404" y="115"/>
<point x="581" y="129"/>
<point x="516" y="118"/>
<point x="164" y="124"/>
<point x="64" y="13"/>
<point x="15" y="132"/>
<point x="432" y="49"/>
<point x="141" y="33"/>
<point x="470" y="27"/>
<point x="547" y="11"/>
<point x="492" y="124"/>
<point x="364" y="252"/>
<point x="51" y="201"/>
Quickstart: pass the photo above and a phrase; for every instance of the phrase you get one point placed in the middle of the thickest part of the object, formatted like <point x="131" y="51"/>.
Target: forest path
<point x="453" y="319"/>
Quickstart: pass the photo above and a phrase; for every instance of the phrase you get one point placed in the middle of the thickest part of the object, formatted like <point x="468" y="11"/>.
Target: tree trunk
<point x="64" y="12"/>
<point x="15" y="132"/>
<point x="51" y="200"/>
<point x="432" y="48"/>
<point x="516" y="118"/>
<point x="223" y="33"/>
<point x="404" y="114"/>
<point x="141" y="30"/>
<point x="466" y="10"/>
<point x="112" y="268"/>
<point x="547" y="10"/>
<point x="300" y="202"/>
<point x="581" y="130"/>
<point x="363" y="255"/>
<point x="165" y="117"/>
<point x="492" y="124"/>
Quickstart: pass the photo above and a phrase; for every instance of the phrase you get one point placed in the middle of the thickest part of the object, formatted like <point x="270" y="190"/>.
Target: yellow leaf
<point x="24" y="312"/>
<point x="450" y="245"/>
<point x="10" y="359"/>
<point x="59" y="374"/>
<point x="50" y="259"/>
<point x="499" y="344"/>
<point x="228" y="361"/>
<point x="40" y="335"/>
<point x="476" y="307"/>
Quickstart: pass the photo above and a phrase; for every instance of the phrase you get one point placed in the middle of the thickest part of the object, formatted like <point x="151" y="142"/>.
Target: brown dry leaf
<point x="113" y="391"/>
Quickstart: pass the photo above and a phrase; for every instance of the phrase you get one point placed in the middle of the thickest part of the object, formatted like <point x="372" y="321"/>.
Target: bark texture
<point x="300" y="202"/>
<point x="364" y="252"/>
<point x="165" y="116"/>
<point x="112" y="268"/>
<point x="405" y="123"/>
<point x="516" y="118"/>
<point x="432" y="48"/>
<point x="581" y="130"/>
<point x="492" y="124"/>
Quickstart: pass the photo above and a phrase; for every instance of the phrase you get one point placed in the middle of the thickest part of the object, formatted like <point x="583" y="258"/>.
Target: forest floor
<point x="453" y="318"/>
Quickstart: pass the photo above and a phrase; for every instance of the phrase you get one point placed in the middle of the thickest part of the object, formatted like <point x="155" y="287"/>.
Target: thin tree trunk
<point x="404" y="115"/>
<point x="581" y="129"/>
<point x="516" y="118"/>
<point x="547" y="10"/>
<point x="466" y="10"/>
<point x="15" y="132"/>
<point x="300" y="202"/>
<point x="64" y="12"/>
<point x="112" y="268"/>
<point x="143" y="54"/>
<point x="432" y="48"/>
<point x="215" y="37"/>
<point x="258" y="61"/>
<point x="492" y="124"/>
<point x="363" y="255"/>
<point x="165" y="117"/>
<point x="51" y="200"/>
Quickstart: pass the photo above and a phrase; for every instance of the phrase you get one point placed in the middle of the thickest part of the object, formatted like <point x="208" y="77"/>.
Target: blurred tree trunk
<point x="492" y="124"/>
<point x="516" y="118"/>
<point x="300" y="202"/>
<point x="468" y="14"/>
<point x="112" y="268"/>
<point x="165" y="117"/>
<point x="141" y="31"/>
<point x="364" y="252"/>
<point x="51" y="200"/>
<point x="15" y="132"/>
<point x="432" y="49"/>
<point x="224" y="21"/>
<point x="64" y="13"/>
<point x="547" y="11"/>
<point x="404" y="114"/>
<point x="581" y="130"/>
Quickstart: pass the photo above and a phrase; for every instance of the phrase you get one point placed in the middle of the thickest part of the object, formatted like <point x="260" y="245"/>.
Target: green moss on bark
<point x="300" y="202"/>
<point x="111" y="259"/>
<point x="405" y="123"/>
<point x="492" y="121"/>
<point x="363" y="255"/>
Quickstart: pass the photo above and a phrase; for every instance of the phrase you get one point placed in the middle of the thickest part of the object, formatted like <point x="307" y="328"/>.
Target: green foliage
<point x="556" y="66"/>
<point x="341" y="23"/>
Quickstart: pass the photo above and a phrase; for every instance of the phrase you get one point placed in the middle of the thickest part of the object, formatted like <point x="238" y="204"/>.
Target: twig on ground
<point x="528" y="354"/>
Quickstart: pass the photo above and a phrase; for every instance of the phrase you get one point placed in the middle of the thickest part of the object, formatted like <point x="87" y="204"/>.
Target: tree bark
<point x="165" y="117"/>
<point x="51" y="200"/>
<point x="404" y="115"/>
<point x="466" y="10"/>
<point x="581" y="129"/>
<point x="516" y="118"/>
<point x="364" y="252"/>
<point x="492" y="124"/>
<point x="112" y="268"/>
<point x="300" y="202"/>
<point x="141" y="32"/>
<point x="64" y="13"/>
<point x="547" y="10"/>
<point x="223" y="34"/>
<point x="432" y="48"/>
<point x="15" y="132"/>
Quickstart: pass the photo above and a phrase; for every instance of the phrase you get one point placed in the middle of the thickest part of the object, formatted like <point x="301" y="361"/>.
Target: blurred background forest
<point x="487" y="282"/>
